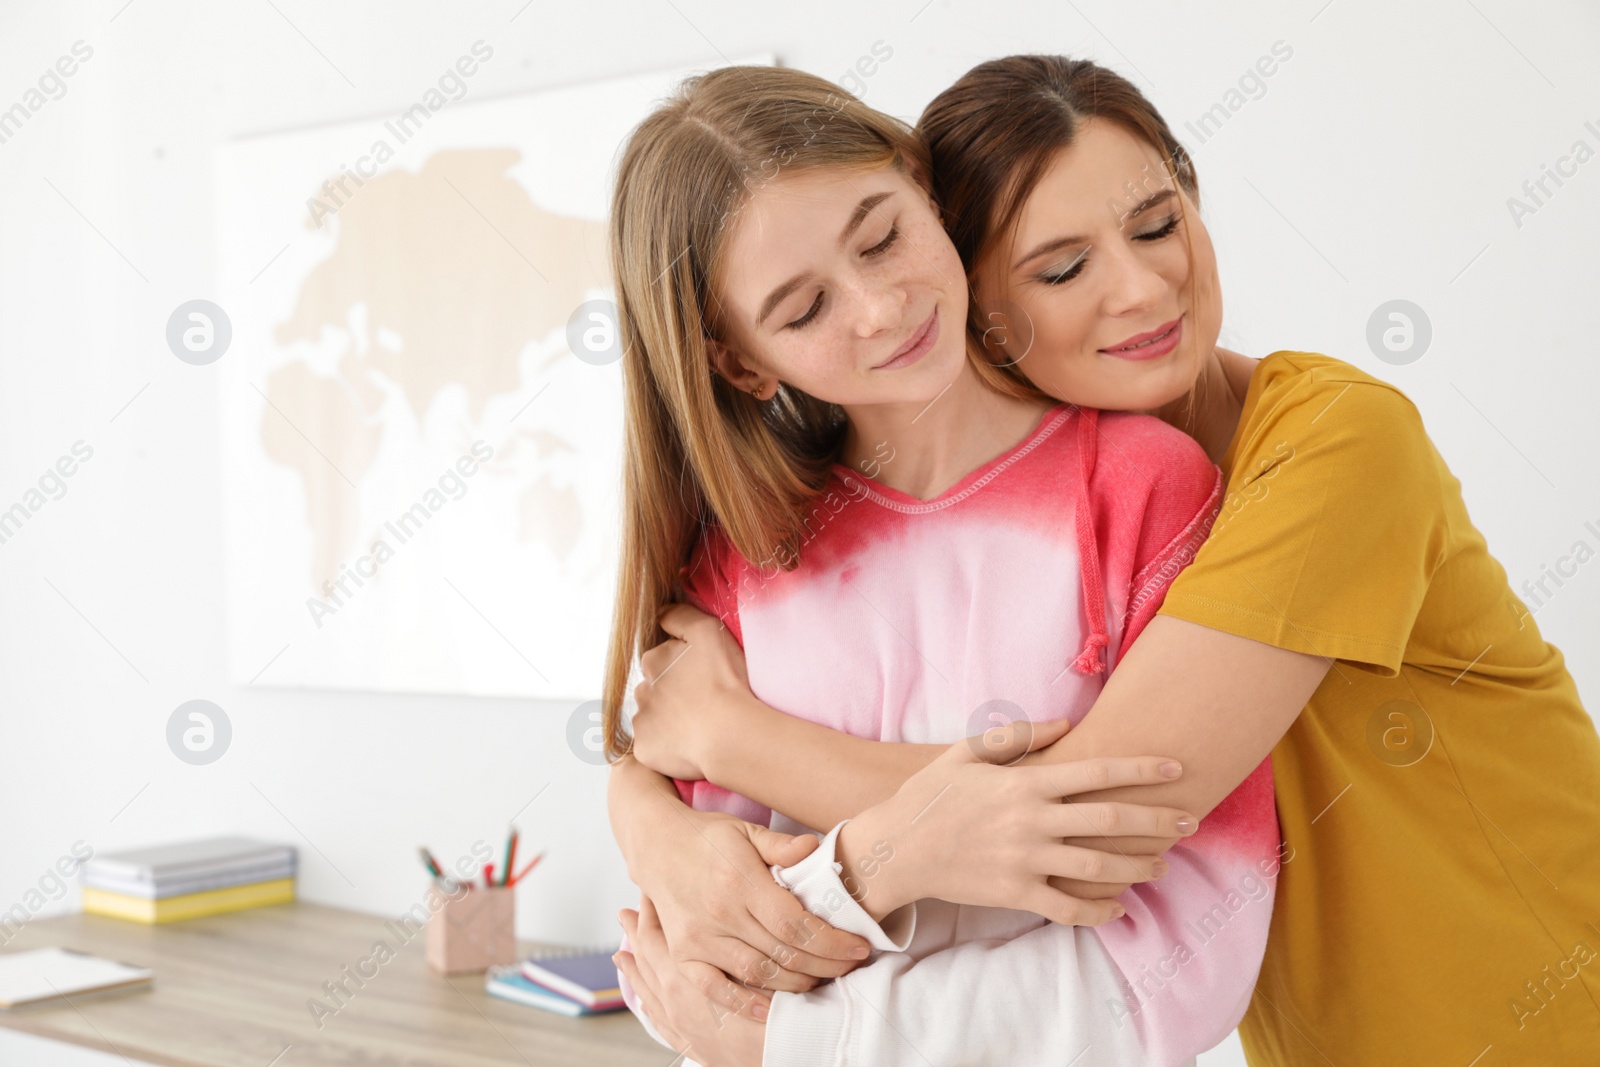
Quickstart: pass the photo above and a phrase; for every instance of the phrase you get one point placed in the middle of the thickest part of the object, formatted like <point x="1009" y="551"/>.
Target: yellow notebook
<point x="190" y="905"/>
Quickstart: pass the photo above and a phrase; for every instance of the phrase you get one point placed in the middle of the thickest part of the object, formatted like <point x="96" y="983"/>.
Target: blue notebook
<point x="508" y="983"/>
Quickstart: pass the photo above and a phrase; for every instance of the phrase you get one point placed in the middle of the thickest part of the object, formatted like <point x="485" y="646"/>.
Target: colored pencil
<point x="511" y="857"/>
<point x="531" y="865"/>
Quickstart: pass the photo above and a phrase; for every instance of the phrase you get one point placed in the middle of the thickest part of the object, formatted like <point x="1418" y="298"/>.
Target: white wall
<point x="1376" y="165"/>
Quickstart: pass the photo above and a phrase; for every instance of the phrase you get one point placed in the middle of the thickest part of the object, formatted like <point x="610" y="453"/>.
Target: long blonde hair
<point x="697" y="448"/>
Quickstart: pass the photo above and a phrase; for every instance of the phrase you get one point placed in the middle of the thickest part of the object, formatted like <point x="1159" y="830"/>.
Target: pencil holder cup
<point x="474" y="931"/>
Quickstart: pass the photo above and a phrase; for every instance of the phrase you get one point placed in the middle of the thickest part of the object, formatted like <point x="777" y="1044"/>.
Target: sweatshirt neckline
<point x="1051" y="420"/>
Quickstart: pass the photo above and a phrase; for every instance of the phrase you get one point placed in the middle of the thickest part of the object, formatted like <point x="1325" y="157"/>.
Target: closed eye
<point x="884" y="245"/>
<point x="1164" y="230"/>
<point x="804" y="320"/>
<point x="816" y="305"/>
<point x="1067" y="273"/>
<point x="1075" y="268"/>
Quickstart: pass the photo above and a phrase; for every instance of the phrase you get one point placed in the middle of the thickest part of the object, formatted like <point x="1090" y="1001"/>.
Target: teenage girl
<point x="794" y="317"/>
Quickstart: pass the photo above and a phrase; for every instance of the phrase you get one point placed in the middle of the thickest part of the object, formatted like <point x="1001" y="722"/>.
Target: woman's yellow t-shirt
<point x="1439" y="899"/>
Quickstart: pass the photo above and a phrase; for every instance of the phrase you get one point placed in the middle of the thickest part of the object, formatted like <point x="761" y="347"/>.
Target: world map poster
<point x="421" y="479"/>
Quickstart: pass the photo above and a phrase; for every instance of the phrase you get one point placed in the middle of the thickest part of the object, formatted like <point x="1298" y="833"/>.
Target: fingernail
<point x="759" y="1011"/>
<point x="861" y="952"/>
<point x="1159" y="867"/>
<point x="1118" y="911"/>
<point x="1186" y="825"/>
<point x="1171" y="768"/>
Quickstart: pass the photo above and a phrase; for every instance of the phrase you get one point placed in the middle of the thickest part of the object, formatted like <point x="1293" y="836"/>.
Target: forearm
<point x="820" y="777"/>
<point x="816" y="776"/>
<point x="635" y="796"/>
<point x="1215" y="702"/>
<point x="1212" y="701"/>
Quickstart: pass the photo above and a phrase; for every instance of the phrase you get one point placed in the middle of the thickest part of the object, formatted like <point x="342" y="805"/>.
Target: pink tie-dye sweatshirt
<point x="918" y="620"/>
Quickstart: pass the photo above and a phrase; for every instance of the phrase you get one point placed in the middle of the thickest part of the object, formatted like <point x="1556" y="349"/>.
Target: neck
<point x="924" y="447"/>
<point x="1210" y="412"/>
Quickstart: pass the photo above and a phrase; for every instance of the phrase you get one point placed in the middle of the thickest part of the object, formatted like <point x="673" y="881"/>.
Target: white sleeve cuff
<point x="816" y="883"/>
<point x="807" y="1030"/>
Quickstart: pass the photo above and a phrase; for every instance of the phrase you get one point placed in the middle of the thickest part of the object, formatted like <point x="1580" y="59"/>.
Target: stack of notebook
<point x="567" y="982"/>
<point x="185" y="881"/>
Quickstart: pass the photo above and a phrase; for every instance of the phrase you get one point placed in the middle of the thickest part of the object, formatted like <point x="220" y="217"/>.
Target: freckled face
<point x="843" y="284"/>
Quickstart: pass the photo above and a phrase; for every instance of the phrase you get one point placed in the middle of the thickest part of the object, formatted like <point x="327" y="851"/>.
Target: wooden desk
<point x="232" y="991"/>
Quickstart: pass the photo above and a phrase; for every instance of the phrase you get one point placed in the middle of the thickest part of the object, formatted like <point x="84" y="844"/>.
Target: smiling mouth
<point x="1149" y="340"/>
<point x="916" y="346"/>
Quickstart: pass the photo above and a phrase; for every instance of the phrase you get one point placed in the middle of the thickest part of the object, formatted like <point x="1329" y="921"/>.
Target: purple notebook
<point x="589" y="978"/>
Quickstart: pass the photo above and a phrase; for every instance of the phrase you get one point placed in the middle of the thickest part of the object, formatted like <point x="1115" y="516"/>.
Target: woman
<point x="1000" y="512"/>
<point x="1438" y="781"/>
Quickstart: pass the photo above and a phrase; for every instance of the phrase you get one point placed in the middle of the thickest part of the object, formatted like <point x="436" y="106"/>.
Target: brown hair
<point x="991" y="136"/>
<point x="696" y="447"/>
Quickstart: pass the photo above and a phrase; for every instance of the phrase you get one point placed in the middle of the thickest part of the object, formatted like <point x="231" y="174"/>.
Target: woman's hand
<point x="694" y="690"/>
<point x="676" y="1007"/>
<point x="726" y="920"/>
<point x="970" y="830"/>
<point x="725" y="917"/>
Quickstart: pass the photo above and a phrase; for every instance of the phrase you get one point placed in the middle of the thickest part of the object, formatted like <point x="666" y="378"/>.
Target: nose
<point x="880" y="306"/>
<point x="1131" y="284"/>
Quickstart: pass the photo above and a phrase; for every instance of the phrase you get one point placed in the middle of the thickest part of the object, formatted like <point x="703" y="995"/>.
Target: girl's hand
<point x="726" y="921"/>
<point x="679" y="1010"/>
<point x="694" y="686"/>
<point x="972" y="831"/>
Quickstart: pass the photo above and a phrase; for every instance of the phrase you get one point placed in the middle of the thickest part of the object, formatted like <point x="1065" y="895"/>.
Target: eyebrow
<point x="1055" y="244"/>
<point x="782" y="292"/>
